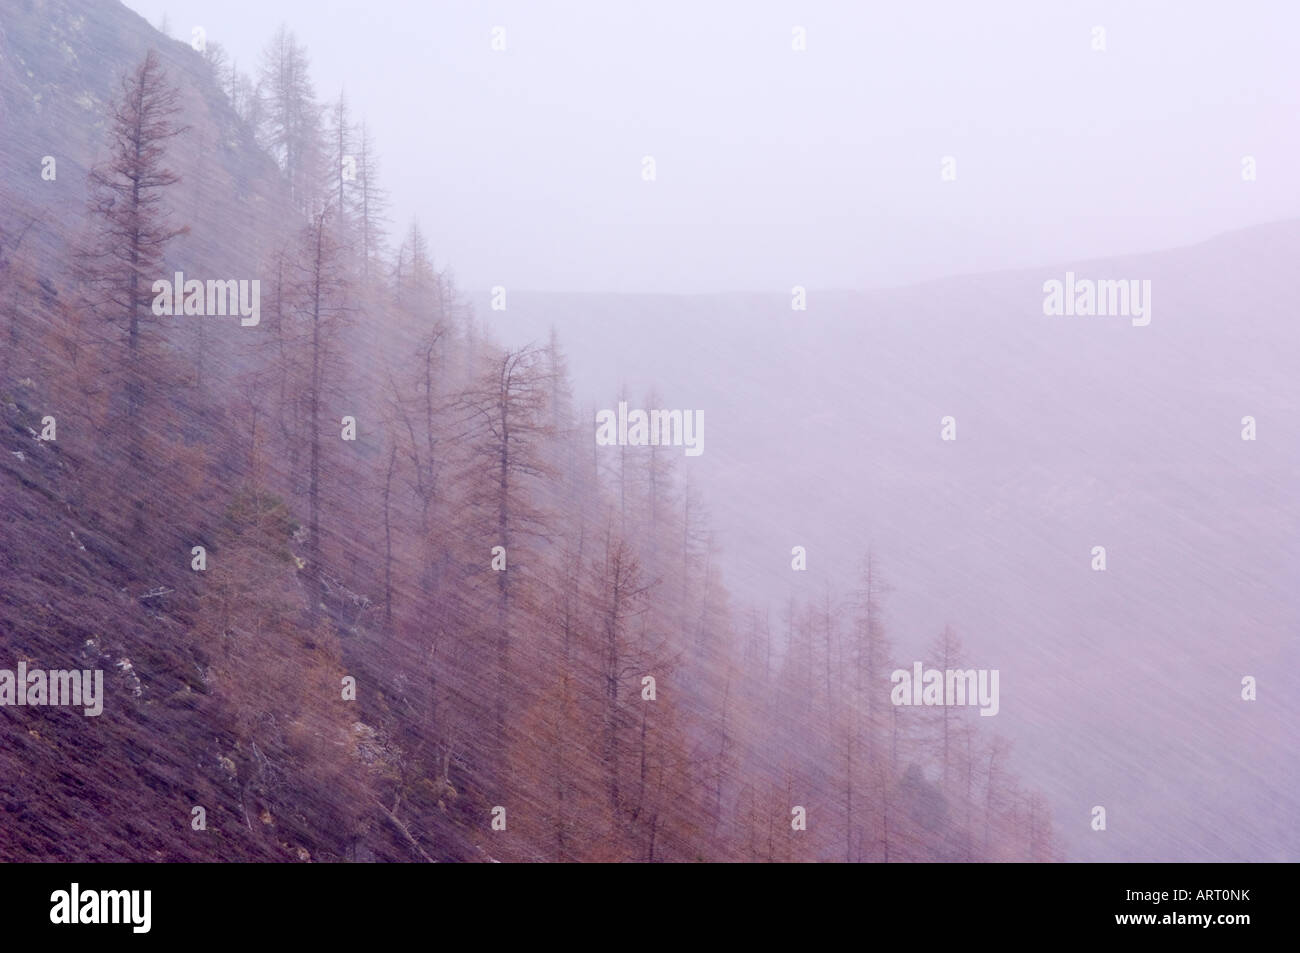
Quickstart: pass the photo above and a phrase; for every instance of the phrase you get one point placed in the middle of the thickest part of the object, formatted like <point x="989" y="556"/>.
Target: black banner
<point x="982" y="904"/>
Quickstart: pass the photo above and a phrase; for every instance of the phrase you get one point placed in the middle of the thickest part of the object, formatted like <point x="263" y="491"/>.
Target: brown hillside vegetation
<point x="484" y="678"/>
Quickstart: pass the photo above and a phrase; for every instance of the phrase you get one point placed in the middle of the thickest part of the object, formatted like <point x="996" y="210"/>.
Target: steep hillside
<point x="122" y="785"/>
<point x="76" y="589"/>
<point x="363" y="586"/>
<point x="61" y="63"/>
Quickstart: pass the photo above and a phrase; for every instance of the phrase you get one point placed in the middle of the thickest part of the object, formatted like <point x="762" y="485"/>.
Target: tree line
<point x="531" y="621"/>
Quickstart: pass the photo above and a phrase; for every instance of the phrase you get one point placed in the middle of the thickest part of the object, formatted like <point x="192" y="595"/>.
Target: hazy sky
<point x="819" y="168"/>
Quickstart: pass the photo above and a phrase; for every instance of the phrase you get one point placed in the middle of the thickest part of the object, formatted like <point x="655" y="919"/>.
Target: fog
<point x="919" y="172"/>
<point x="820" y="168"/>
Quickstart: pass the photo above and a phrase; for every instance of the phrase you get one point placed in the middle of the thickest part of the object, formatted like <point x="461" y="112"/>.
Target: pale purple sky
<point x="819" y="168"/>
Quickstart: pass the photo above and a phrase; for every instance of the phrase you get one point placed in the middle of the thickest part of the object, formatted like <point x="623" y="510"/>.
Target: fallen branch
<point x="405" y="832"/>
